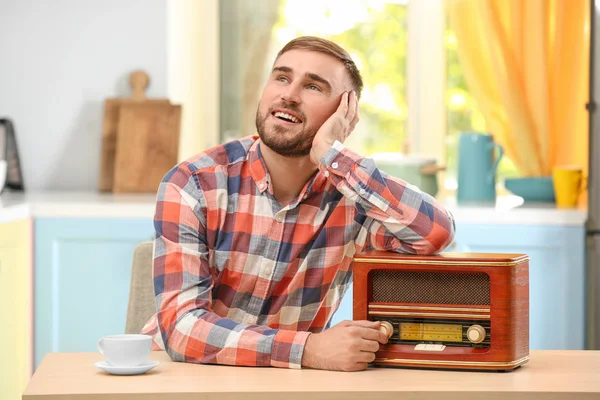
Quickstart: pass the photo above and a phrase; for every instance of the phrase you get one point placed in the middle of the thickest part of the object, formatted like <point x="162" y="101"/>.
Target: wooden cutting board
<point x="139" y="81"/>
<point x="147" y="146"/>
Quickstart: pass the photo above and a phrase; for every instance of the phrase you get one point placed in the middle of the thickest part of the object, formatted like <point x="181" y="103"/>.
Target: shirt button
<point x="326" y="173"/>
<point x="279" y="218"/>
<point x="268" y="271"/>
<point x="362" y="191"/>
<point x="305" y="196"/>
<point x="334" y="165"/>
<point x="262" y="186"/>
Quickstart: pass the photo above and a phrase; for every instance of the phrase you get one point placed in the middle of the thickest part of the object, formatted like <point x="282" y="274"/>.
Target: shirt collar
<point x="260" y="174"/>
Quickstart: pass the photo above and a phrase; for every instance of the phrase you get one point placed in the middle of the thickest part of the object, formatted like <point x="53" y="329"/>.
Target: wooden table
<point x="548" y="375"/>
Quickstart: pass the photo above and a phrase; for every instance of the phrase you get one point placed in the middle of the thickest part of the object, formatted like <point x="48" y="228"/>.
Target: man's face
<point x="303" y="90"/>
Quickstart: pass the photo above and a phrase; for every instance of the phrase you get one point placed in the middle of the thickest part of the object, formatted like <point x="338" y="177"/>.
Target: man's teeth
<point x="287" y="116"/>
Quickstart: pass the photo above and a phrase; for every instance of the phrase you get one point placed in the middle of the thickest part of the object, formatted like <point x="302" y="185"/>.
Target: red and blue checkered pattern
<point x="241" y="280"/>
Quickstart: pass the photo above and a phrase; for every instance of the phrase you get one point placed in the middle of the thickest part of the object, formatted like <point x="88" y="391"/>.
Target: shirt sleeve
<point x="401" y="217"/>
<point x="183" y="283"/>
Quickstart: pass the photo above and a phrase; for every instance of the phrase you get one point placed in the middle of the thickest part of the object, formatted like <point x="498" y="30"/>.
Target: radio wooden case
<point x="452" y="311"/>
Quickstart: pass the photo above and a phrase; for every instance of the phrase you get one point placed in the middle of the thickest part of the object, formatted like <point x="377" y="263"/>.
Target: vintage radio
<point x="454" y="310"/>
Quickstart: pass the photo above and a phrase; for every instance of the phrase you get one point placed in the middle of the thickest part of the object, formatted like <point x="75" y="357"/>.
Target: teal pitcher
<point x="477" y="167"/>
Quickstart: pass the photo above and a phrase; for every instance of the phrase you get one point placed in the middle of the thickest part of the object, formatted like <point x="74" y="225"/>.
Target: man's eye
<point x="282" y="79"/>
<point x="314" y="87"/>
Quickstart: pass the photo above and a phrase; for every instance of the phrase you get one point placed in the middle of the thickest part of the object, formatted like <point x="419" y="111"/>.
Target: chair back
<point x="141" y="293"/>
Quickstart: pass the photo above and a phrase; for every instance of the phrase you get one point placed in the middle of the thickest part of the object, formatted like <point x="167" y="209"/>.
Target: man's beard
<point x="297" y="146"/>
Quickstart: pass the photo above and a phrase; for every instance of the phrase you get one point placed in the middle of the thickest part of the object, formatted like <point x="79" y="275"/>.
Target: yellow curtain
<point x="526" y="62"/>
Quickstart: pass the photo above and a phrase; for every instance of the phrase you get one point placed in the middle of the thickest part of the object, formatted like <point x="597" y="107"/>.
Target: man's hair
<point x="325" y="46"/>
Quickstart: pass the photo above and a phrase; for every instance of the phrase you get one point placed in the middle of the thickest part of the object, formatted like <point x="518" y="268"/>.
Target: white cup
<point x="127" y="350"/>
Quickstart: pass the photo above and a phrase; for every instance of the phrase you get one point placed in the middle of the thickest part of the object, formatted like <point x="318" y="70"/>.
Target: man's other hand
<point x="348" y="346"/>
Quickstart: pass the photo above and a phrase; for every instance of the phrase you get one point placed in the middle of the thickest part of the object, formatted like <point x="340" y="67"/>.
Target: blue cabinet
<point x="82" y="278"/>
<point x="556" y="277"/>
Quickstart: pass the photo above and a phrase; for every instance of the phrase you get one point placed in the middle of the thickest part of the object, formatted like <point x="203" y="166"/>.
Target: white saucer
<point x="116" y="370"/>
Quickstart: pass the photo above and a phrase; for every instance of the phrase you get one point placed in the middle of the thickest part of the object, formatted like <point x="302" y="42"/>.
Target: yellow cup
<point x="568" y="184"/>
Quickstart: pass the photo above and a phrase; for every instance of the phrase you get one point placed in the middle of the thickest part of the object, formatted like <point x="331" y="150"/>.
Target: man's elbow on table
<point x="440" y="237"/>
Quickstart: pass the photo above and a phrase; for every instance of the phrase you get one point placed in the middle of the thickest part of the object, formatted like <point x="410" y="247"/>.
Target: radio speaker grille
<point x="469" y="288"/>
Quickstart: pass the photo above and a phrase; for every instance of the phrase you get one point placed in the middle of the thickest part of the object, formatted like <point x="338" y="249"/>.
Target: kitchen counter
<point x="512" y="210"/>
<point x="15" y="206"/>
<point x="548" y="375"/>
<point x="506" y="210"/>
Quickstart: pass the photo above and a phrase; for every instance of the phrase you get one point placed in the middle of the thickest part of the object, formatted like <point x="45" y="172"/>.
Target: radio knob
<point x="386" y="328"/>
<point x="476" y="333"/>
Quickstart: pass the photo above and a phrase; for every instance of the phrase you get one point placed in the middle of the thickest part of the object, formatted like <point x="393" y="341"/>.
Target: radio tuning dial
<point x="386" y="328"/>
<point x="476" y="333"/>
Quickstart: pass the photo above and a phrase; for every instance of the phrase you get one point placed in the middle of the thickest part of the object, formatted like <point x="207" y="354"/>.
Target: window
<point x="415" y="94"/>
<point x="374" y="32"/>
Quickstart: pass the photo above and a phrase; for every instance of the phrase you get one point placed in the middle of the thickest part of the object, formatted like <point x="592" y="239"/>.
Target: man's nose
<point x="292" y="94"/>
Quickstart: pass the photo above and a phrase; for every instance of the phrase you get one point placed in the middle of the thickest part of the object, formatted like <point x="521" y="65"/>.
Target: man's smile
<point x="287" y="116"/>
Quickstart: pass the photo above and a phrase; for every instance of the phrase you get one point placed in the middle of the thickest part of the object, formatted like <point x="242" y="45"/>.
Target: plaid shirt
<point x="241" y="280"/>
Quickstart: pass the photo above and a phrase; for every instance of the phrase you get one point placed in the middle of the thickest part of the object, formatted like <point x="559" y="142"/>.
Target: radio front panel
<point x="465" y="333"/>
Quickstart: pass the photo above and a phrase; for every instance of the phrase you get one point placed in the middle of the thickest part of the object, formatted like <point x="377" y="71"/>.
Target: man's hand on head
<point x="337" y="127"/>
<point x="348" y="346"/>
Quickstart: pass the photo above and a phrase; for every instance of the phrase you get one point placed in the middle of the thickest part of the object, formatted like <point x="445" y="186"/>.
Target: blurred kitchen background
<point x="439" y="76"/>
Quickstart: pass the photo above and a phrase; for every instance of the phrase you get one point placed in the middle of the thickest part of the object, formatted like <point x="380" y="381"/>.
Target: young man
<point x="255" y="238"/>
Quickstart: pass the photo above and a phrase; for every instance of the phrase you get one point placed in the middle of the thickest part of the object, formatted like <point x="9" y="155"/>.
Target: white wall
<point x="59" y="60"/>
